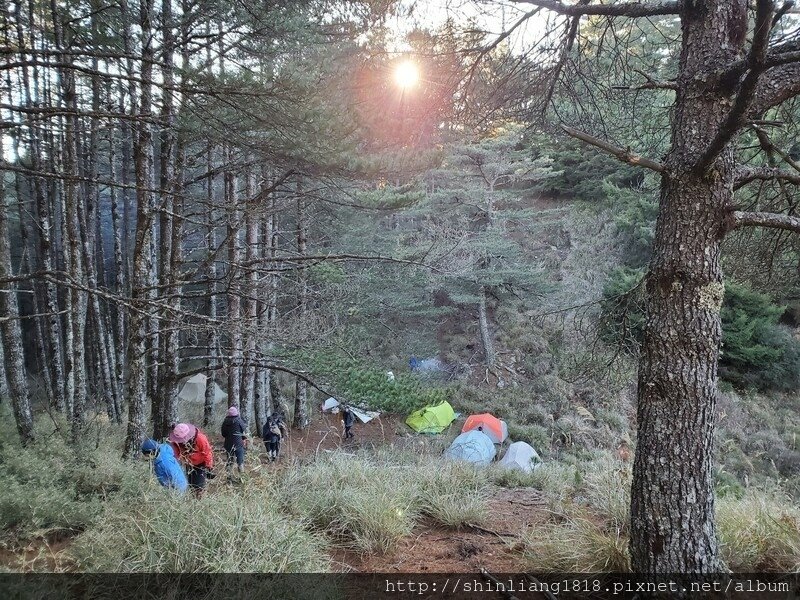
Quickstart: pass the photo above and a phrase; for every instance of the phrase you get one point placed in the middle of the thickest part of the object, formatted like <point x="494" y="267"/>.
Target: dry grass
<point x="759" y="532"/>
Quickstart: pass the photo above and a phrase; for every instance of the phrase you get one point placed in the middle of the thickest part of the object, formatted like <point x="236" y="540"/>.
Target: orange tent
<point x="496" y="429"/>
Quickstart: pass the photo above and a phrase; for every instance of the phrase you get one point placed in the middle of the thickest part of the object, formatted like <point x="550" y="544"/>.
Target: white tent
<point x="194" y="390"/>
<point x="330" y="404"/>
<point x="520" y="456"/>
<point x="365" y="416"/>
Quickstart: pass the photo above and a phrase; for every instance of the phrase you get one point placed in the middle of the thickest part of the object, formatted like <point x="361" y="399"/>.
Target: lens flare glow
<point x="406" y="74"/>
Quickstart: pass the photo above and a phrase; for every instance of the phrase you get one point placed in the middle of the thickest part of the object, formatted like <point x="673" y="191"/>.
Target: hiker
<point x="164" y="465"/>
<point x="348" y="418"/>
<point x="274" y="430"/>
<point x="234" y="430"/>
<point x="193" y="450"/>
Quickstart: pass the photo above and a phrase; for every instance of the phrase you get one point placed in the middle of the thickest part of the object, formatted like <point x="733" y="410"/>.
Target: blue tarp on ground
<point x="472" y="446"/>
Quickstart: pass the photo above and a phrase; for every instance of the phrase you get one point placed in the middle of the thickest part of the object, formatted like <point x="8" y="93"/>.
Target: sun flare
<point x="406" y="74"/>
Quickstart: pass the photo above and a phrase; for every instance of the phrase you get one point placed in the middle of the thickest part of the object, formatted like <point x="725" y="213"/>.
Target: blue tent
<point x="472" y="446"/>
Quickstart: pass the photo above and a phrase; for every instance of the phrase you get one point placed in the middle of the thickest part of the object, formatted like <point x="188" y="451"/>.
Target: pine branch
<point x="766" y="219"/>
<point x="623" y="154"/>
<point x="621" y="9"/>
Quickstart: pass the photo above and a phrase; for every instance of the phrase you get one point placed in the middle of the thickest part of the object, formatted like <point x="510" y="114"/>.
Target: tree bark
<point x="164" y="403"/>
<point x="233" y="296"/>
<point x="486" y="336"/>
<point x="212" y="336"/>
<point x="250" y="303"/>
<point x="13" y="356"/>
<point x="136" y="381"/>
<point x="73" y="241"/>
<point x="672" y="499"/>
<point x="301" y="387"/>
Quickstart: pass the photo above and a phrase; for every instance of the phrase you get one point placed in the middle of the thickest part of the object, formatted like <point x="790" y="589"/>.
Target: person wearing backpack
<point x="273" y="432"/>
<point x="234" y="430"/>
<point x="348" y="418"/>
<point x="194" y="451"/>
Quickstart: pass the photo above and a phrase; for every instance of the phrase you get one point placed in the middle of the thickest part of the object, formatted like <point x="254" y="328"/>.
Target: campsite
<point x="347" y="288"/>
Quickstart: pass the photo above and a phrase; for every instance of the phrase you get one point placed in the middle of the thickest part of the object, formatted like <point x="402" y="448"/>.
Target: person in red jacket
<point x="193" y="450"/>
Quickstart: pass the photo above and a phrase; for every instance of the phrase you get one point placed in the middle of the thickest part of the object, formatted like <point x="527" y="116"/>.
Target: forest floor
<point x="492" y="545"/>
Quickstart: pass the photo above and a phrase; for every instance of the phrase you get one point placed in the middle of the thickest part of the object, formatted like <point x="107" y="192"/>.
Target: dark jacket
<point x="234" y="430"/>
<point x="348" y="417"/>
<point x="267" y="434"/>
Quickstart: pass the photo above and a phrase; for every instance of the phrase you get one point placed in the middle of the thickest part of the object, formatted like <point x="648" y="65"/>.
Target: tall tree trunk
<point x="120" y="270"/>
<point x="92" y="258"/>
<point x="212" y="336"/>
<point x="250" y="302"/>
<point x="14" y="359"/>
<point x="301" y="387"/>
<point x="41" y="296"/>
<point x="164" y="407"/>
<point x="274" y="400"/>
<point x="73" y="213"/>
<point x="136" y="382"/>
<point x="234" y="298"/>
<point x="262" y="404"/>
<point x="672" y="499"/>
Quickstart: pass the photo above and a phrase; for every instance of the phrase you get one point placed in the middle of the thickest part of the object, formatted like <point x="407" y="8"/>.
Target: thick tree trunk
<point x="672" y="498"/>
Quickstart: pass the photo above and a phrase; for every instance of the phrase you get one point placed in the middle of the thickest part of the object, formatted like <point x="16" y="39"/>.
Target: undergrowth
<point x="57" y="483"/>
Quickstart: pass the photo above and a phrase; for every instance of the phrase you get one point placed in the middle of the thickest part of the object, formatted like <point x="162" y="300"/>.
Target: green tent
<point x="431" y="419"/>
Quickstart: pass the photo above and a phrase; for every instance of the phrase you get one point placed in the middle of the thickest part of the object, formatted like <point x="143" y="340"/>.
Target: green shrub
<point x="362" y="384"/>
<point x="749" y="322"/>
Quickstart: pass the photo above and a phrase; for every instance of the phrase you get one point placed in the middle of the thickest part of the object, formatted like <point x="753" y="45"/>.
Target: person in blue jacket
<point x="165" y="466"/>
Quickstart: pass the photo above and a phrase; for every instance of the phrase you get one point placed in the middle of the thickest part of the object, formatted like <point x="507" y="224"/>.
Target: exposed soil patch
<point x="40" y="554"/>
<point x="493" y="545"/>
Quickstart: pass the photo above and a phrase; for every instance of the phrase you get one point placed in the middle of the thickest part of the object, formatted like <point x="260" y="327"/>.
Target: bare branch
<point x="755" y="61"/>
<point x="747" y="174"/>
<point x="623" y="154"/>
<point x="777" y="85"/>
<point x="766" y="219"/>
<point x="621" y="9"/>
<point x="768" y="146"/>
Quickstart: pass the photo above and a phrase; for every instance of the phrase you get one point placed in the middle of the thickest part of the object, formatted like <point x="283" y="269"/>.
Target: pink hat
<point x="233" y="411"/>
<point x="182" y="433"/>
